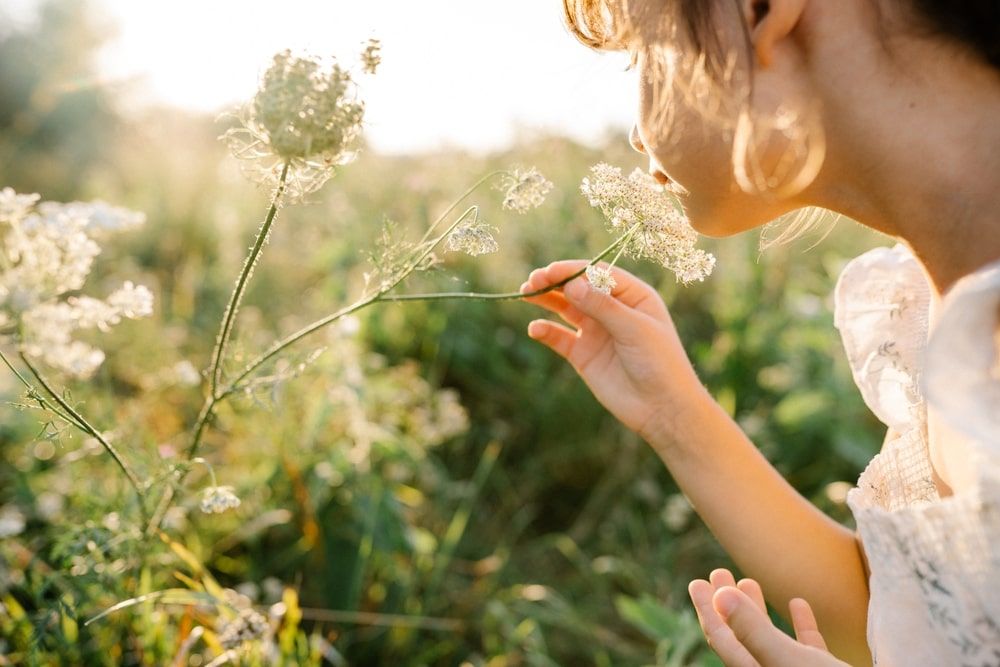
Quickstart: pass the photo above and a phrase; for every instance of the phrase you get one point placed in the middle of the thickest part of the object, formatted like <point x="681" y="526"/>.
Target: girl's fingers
<point x="719" y="635"/>
<point x="555" y="336"/>
<point x="755" y="633"/>
<point x="554" y="302"/>
<point x="628" y="289"/>
<point x="722" y="577"/>
<point x="804" y="622"/>
<point x="753" y="591"/>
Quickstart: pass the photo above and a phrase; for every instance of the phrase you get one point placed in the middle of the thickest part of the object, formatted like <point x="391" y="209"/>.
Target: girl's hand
<point x="734" y="618"/>
<point x="623" y="345"/>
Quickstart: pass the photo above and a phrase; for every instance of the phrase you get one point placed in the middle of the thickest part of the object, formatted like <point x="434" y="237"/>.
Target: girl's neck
<point x="927" y="172"/>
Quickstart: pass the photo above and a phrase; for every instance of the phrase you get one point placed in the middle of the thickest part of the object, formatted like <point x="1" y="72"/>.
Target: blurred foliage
<point x="541" y="532"/>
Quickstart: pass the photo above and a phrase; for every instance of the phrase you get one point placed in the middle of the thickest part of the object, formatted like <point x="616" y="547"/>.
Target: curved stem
<point x="229" y="319"/>
<point x="454" y="204"/>
<point x="85" y="426"/>
<point x="487" y="296"/>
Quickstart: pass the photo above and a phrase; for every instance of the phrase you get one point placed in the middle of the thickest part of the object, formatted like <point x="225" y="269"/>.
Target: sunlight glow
<point x="468" y="74"/>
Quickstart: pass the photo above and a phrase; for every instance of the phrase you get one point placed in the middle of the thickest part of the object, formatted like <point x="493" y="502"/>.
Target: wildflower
<point x="132" y="301"/>
<point x="48" y="251"/>
<point x="218" y="499"/>
<point x="601" y="279"/>
<point x="371" y="57"/>
<point x="305" y="114"/>
<point x="525" y="190"/>
<point x="472" y="237"/>
<point x="663" y="233"/>
<point x="676" y="512"/>
<point x="97" y="215"/>
<point x="249" y="625"/>
<point x="14" y="206"/>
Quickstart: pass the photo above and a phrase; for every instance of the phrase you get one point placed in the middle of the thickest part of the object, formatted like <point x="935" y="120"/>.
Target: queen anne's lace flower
<point x="218" y="499"/>
<point x="601" y="279"/>
<point x="473" y="238"/>
<point x="524" y="189"/>
<point x="48" y="251"/>
<point x="305" y="113"/>
<point x="249" y="625"/>
<point x="664" y="233"/>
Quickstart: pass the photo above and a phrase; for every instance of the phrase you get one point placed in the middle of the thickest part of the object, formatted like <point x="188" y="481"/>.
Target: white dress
<point x="934" y="379"/>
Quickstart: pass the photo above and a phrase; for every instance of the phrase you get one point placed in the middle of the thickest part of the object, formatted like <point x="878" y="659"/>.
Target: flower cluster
<point x="305" y="114"/>
<point x="601" y="279"/>
<point x="524" y="189"/>
<point x="218" y="499"/>
<point x="47" y="249"/>
<point x="371" y="57"/>
<point x="249" y="625"/>
<point x="653" y="217"/>
<point x="472" y="237"/>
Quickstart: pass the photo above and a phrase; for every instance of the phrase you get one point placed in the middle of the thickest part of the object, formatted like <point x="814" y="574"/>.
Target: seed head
<point x="218" y="499"/>
<point x="305" y="113"/>
<point x="472" y="237"/>
<point x="524" y="189"/>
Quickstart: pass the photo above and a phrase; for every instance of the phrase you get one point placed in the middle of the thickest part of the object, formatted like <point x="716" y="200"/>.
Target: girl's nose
<point x="633" y="138"/>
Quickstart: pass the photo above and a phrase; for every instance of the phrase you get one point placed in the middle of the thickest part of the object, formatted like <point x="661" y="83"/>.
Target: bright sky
<point x="457" y="72"/>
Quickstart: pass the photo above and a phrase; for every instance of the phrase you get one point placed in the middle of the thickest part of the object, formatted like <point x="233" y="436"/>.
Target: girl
<point x="887" y="111"/>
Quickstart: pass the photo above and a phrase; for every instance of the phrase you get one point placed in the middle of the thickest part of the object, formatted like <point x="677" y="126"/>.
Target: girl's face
<point x="696" y="153"/>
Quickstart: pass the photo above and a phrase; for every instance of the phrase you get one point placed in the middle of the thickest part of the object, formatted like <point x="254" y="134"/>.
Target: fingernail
<point x="726" y="601"/>
<point x="535" y="329"/>
<point x="524" y="288"/>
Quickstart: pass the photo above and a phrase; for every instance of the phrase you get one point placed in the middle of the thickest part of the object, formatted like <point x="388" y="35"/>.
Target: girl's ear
<point x="770" y="21"/>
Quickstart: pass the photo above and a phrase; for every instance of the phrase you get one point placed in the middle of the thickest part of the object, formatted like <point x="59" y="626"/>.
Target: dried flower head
<point x="524" y="189"/>
<point x="218" y="499"/>
<point x="472" y="237"/>
<point x="247" y="626"/>
<point x="663" y="234"/>
<point x="601" y="278"/>
<point x="305" y="113"/>
<point x="48" y="251"/>
<point x="371" y="56"/>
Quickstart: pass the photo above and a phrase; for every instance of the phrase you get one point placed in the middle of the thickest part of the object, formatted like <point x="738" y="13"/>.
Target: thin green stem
<point x="85" y="426"/>
<point x="619" y="244"/>
<point x="34" y="395"/>
<point x="454" y="204"/>
<point x="229" y="319"/>
<point x="291" y="339"/>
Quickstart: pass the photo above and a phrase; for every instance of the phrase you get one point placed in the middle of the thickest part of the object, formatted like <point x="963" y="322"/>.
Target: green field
<point x="381" y="523"/>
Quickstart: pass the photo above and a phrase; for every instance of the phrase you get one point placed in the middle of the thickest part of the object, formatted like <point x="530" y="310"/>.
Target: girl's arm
<point x="625" y="347"/>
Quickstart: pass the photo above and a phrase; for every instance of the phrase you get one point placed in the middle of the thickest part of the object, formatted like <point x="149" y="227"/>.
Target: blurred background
<point x="490" y="512"/>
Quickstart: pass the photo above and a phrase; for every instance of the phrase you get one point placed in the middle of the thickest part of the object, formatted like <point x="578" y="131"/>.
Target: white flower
<point x="132" y="301"/>
<point x="473" y="238"/>
<point x="525" y="189"/>
<point x="14" y="206"/>
<point x="249" y="625"/>
<point x="601" y="279"/>
<point x="218" y="499"/>
<point x="48" y="251"/>
<point x="305" y="113"/>
<point x="96" y="216"/>
<point x="664" y="233"/>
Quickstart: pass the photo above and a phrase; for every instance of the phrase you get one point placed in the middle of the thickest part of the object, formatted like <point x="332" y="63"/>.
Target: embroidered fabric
<point x="935" y="561"/>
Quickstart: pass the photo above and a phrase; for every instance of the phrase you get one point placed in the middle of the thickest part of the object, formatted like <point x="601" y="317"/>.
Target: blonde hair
<point x="687" y="58"/>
